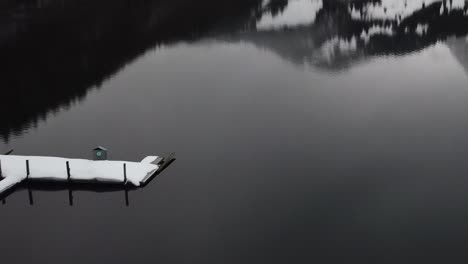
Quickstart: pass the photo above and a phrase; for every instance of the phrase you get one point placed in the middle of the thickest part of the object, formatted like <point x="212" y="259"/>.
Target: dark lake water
<point x="305" y="130"/>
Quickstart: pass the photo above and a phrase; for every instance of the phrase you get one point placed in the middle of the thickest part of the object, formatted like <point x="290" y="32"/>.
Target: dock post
<point x="31" y="201"/>
<point x="4" y="201"/>
<point x="125" y="173"/>
<point x="127" y="202"/>
<point x="70" y="197"/>
<point x="27" y="169"/>
<point x="68" y="171"/>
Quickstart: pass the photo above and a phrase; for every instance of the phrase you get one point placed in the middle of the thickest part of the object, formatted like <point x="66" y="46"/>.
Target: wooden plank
<point x="158" y="161"/>
<point x="162" y="165"/>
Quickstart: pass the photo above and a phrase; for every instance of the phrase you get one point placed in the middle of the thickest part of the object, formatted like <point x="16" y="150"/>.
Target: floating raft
<point x="15" y="169"/>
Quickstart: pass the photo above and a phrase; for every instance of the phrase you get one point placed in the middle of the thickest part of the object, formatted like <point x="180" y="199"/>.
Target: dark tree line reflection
<point x="54" y="52"/>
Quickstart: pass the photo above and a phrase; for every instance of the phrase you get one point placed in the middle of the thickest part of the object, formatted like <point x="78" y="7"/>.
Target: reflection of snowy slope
<point x="297" y="12"/>
<point x="459" y="49"/>
<point x="334" y="39"/>
<point x="400" y="9"/>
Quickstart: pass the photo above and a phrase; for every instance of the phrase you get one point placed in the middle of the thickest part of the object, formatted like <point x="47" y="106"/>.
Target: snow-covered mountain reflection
<point x="295" y="13"/>
<point x="56" y="52"/>
<point x="338" y="34"/>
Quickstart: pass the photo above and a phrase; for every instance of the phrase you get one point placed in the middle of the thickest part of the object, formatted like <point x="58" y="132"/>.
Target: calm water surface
<point x="303" y="129"/>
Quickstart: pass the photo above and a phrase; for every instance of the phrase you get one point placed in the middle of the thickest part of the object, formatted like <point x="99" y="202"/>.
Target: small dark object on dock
<point x="100" y="153"/>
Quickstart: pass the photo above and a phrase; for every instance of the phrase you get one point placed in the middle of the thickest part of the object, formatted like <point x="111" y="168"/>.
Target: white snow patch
<point x="338" y="45"/>
<point x="395" y="9"/>
<point x="297" y="12"/>
<point x="149" y="159"/>
<point x="355" y="13"/>
<point x="454" y="5"/>
<point x="9" y="182"/>
<point x="377" y="30"/>
<point x="457" y="4"/>
<point x="422" y="29"/>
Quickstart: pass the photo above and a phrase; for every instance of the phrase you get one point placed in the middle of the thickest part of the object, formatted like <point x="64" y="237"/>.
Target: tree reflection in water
<point x="55" y="52"/>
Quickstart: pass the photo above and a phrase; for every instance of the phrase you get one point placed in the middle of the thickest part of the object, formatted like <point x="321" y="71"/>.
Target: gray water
<point x="295" y="143"/>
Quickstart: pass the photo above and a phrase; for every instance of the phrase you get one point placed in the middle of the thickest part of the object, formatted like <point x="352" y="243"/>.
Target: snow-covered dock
<point x="15" y="169"/>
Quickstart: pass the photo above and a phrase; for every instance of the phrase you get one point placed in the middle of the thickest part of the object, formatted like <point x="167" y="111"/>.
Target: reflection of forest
<point x="54" y="51"/>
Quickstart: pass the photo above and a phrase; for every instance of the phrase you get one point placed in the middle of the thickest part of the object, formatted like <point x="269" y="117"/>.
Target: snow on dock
<point x="15" y="169"/>
<point x="9" y="182"/>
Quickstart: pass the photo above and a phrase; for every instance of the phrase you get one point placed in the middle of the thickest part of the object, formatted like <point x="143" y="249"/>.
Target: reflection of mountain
<point x="459" y="49"/>
<point x="344" y="33"/>
<point x="53" y="52"/>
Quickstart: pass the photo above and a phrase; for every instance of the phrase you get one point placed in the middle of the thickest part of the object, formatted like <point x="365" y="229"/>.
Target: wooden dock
<point x="76" y="185"/>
